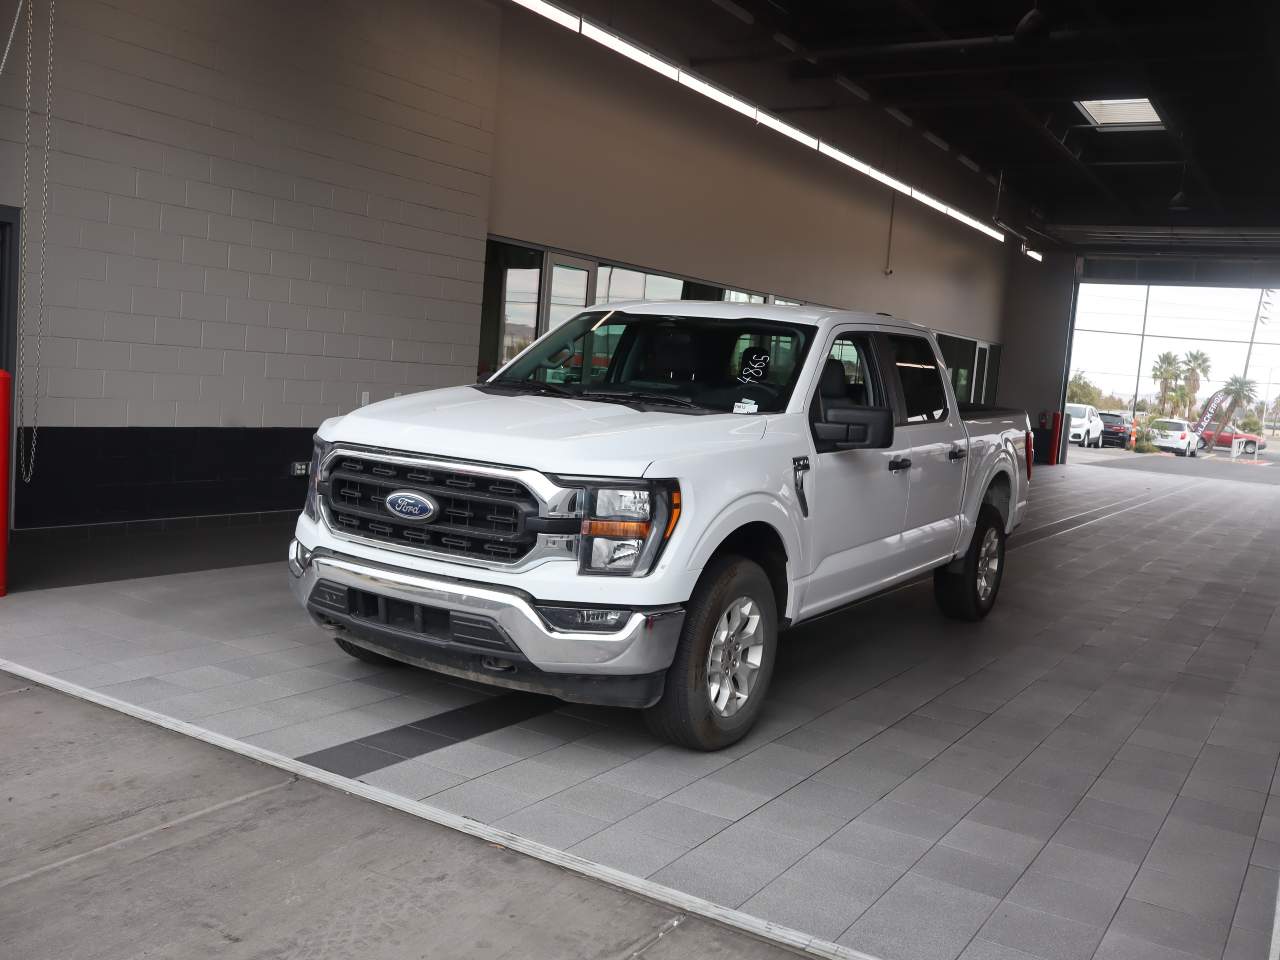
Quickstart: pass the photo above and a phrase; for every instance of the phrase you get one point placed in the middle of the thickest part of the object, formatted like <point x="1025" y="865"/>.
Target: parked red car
<point x="1228" y="435"/>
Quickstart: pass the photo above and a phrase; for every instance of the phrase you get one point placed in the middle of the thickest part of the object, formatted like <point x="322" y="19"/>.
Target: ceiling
<point x="964" y="75"/>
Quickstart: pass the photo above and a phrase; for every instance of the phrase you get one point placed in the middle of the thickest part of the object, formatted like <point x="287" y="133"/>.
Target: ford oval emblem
<point x="412" y="506"/>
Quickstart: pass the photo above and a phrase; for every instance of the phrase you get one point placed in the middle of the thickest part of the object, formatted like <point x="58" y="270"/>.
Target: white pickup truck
<point x="631" y="510"/>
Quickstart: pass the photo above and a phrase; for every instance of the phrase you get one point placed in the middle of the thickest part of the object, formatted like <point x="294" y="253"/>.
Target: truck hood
<point x="549" y="434"/>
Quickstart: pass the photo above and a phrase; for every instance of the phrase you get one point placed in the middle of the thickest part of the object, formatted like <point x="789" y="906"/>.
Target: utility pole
<point x="1257" y="315"/>
<point x="1142" y="343"/>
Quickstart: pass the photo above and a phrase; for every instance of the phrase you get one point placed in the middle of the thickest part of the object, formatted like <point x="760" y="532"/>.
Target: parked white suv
<point x="1086" y="425"/>
<point x="1176" y="435"/>
<point x="631" y="510"/>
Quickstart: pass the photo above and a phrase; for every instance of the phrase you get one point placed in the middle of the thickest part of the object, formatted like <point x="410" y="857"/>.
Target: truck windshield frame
<point x="672" y="362"/>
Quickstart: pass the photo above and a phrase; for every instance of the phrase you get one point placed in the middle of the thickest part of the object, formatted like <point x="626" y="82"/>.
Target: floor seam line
<point x="151" y="831"/>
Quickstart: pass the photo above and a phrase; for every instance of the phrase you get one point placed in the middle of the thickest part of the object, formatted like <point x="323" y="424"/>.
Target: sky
<point x="1216" y="320"/>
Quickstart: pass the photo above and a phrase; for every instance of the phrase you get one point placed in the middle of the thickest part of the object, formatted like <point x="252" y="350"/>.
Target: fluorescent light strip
<point x="929" y="201"/>
<point x="840" y="156"/>
<point x="1034" y="255"/>
<point x="630" y="51"/>
<point x="716" y="94"/>
<point x="799" y="136"/>
<point x="552" y="13"/>
<point x="698" y="85"/>
<point x="887" y="180"/>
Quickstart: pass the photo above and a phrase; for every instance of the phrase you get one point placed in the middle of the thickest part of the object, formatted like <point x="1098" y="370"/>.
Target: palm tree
<point x="1165" y="372"/>
<point x="1195" y="369"/>
<point x="1240" y="393"/>
<point x="1181" y="399"/>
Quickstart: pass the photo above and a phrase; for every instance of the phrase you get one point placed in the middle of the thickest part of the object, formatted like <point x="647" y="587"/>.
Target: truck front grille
<point x="480" y="516"/>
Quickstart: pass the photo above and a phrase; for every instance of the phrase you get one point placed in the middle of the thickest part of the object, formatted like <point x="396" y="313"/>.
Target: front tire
<point x="717" y="682"/>
<point x="969" y="592"/>
<point x="1250" y="447"/>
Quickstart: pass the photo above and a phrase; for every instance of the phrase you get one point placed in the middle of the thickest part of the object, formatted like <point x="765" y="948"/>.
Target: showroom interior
<point x="222" y="223"/>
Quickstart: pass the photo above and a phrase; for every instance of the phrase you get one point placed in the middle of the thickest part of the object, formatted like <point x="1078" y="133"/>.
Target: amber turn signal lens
<point x="623" y="529"/>
<point x="675" y="514"/>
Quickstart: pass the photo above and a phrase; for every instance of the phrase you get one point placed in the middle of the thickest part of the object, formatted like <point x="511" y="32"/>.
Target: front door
<point x="857" y="504"/>
<point x="939" y="451"/>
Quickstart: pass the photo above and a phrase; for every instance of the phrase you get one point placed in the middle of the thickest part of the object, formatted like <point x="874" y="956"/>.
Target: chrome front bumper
<point x="646" y="645"/>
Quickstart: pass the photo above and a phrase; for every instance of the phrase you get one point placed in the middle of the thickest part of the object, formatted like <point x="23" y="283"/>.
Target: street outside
<point x="1213" y="465"/>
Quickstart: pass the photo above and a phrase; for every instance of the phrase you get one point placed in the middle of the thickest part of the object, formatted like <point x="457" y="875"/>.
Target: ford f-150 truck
<point x="632" y="509"/>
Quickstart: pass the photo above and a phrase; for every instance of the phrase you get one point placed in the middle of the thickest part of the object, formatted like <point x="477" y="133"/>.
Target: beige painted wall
<point x="596" y="155"/>
<point x="259" y="211"/>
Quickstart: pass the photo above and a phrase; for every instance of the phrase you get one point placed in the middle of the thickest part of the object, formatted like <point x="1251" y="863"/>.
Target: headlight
<point x="319" y="450"/>
<point x="625" y="528"/>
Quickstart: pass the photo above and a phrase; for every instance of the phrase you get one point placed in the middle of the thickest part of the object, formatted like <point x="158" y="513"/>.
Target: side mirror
<point x="854" y="428"/>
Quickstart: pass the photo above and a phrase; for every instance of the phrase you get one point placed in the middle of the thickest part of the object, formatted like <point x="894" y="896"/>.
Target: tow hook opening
<point x="497" y="665"/>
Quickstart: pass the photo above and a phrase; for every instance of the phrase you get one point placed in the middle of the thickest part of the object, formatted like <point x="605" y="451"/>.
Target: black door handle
<point x="899" y="463"/>
<point x="955" y="453"/>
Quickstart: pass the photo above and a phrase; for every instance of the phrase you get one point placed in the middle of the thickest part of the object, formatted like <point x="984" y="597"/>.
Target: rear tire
<point x="1250" y="447"/>
<point x="717" y="643"/>
<point x="368" y="656"/>
<point x="970" y="592"/>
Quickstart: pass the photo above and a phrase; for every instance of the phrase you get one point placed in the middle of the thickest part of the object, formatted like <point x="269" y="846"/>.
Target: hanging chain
<point x="17" y="16"/>
<point x="27" y="455"/>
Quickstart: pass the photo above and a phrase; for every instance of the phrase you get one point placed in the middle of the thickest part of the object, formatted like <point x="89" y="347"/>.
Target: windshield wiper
<point x="533" y="386"/>
<point x="641" y="396"/>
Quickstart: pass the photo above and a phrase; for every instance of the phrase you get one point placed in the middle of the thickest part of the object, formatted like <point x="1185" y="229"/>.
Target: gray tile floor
<point x="1091" y="772"/>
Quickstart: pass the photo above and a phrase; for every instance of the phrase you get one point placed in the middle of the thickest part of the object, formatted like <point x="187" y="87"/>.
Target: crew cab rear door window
<point x="916" y="368"/>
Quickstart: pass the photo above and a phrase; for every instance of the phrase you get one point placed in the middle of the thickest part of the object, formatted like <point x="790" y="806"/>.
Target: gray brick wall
<point x="259" y="210"/>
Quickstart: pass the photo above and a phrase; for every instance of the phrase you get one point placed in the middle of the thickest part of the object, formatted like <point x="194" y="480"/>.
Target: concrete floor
<point x="125" y="840"/>
<point x="1091" y="772"/>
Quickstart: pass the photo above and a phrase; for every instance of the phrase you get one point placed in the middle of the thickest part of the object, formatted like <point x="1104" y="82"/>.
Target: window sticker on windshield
<point x="755" y="366"/>
<point x="746" y="406"/>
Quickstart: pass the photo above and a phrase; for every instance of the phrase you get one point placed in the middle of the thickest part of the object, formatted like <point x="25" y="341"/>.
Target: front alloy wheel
<point x="735" y="656"/>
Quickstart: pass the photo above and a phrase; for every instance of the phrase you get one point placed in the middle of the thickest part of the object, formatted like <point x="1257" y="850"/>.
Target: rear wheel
<point x="717" y="682"/>
<point x="1250" y="446"/>
<point x="368" y="656"/>
<point x="968" y="592"/>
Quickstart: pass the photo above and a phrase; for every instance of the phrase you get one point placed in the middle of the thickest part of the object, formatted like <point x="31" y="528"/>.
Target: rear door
<point x="929" y="421"/>
<point x="857" y="504"/>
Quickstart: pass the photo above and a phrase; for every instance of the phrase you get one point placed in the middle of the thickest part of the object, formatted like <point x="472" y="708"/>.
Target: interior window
<point x="926" y="400"/>
<point x="851" y="352"/>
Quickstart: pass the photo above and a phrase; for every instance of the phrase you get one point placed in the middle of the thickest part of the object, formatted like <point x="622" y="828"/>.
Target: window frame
<point x="874" y="373"/>
<point x="889" y="362"/>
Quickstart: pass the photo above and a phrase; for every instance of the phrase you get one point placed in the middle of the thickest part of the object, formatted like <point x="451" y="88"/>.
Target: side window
<point x="860" y="388"/>
<point x="917" y="368"/>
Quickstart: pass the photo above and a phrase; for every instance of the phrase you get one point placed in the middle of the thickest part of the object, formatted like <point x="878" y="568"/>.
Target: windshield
<point x="1112" y="418"/>
<point x="1076" y="410"/>
<point x="1168" y="425"/>
<point x="685" y="363"/>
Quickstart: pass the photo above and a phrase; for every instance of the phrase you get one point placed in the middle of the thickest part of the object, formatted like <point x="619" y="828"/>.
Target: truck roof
<point x="717" y="310"/>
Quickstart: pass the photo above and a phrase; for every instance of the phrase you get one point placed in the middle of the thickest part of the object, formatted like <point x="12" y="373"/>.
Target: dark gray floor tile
<point x="1040" y="934"/>
<point x="1066" y="898"/>
<point x="350" y="759"/>
<point x="967" y="870"/>
<point x="1258" y="901"/>
<point x="1138" y="823"/>
<point x="1081" y="866"/>
<point x="1171" y="928"/>
<point x="1187" y="892"/>
<point x="909" y="819"/>
<point x="920" y="919"/>
<point x="1216" y="815"/>
<point x="1120" y="946"/>
<point x="1084" y="835"/>
<point x="677" y="823"/>
<point x="628" y="850"/>
<point x="1245" y="944"/>
<point x="407" y="741"/>
<point x="993" y="843"/>
<point x="877" y="844"/>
